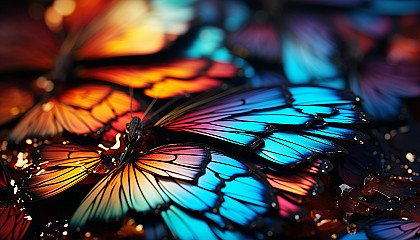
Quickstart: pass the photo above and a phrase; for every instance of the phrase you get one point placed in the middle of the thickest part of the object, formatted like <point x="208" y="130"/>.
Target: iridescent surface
<point x="165" y="119"/>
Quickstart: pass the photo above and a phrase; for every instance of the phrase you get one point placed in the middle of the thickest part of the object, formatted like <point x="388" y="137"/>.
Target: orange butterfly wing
<point x="167" y="79"/>
<point x="82" y="110"/>
<point x="103" y="29"/>
<point x="60" y="167"/>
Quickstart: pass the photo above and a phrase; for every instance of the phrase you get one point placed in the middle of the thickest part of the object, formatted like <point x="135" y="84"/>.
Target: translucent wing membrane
<point x="258" y="116"/>
<point x="58" y="168"/>
<point x="82" y="110"/>
<point x="179" y="176"/>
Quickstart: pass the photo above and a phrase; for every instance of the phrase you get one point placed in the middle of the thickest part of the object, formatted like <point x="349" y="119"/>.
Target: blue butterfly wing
<point x="395" y="7"/>
<point x="186" y="226"/>
<point x="296" y="147"/>
<point x="382" y="86"/>
<point x="393" y="229"/>
<point x="309" y="50"/>
<point x="385" y="229"/>
<point x="361" y="235"/>
<point x="232" y="13"/>
<point x="257" y="119"/>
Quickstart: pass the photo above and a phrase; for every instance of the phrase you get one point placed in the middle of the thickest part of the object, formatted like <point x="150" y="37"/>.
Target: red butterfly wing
<point x="14" y="221"/>
<point x="25" y="43"/>
<point x="4" y="176"/>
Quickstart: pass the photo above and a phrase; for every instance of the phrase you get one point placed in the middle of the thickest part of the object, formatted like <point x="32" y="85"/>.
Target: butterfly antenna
<point x="148" y="108"/>
<point x="166" y="105"/>
<point x="131" y="100"/>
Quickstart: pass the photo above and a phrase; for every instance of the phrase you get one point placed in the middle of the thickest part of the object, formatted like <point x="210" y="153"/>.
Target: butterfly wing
<point x="82" y="110"/>
<point x="14" y="101"/>
<point x="169" y="78"/>
<point x="201" y="63"/>
<point x="126" y="28"/>
<point x="58" y="168"/>
<point x="32" y="49"/>
<point x="383" y="85"/>
<point x="296" y="184"/>
<point x="393" y="229"/>
<point x="270" y="116"/>
<point x="4" y="176"/>
<point x="384" y="229"/>
<point x="310" y="51"/>
<point x="184" y="225"/>
<point x="363" y="159"/>
<point x="14" y="221"/>
<point x="190" y="176"/>
<point x="259" y="40"/>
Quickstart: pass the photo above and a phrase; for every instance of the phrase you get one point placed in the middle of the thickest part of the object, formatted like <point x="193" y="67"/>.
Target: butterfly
<point x="279" y="126"/>
<point x="14" y="219"/>
<point x="382" y="229"/>
<point x="91" y="36"/>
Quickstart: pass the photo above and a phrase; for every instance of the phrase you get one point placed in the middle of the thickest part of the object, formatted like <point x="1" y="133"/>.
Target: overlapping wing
<point x="190" y="177"/>
<point x="58" y="168"/>
<point x="284" y="126"/>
